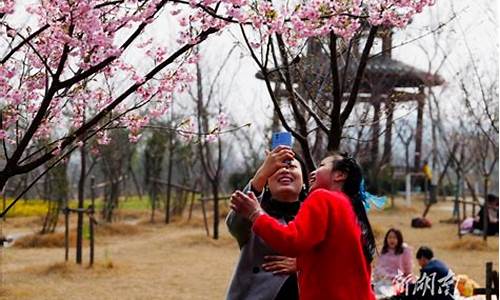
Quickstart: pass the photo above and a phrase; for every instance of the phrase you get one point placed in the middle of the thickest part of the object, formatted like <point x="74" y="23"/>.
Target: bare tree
<point x="210" y="154"/>
<point x="115" y="161"/>
<point x="153" y="166"/>
<point x="405" y="133"/>
<point x="56" y="189"/>
<point x="339" y="79"/>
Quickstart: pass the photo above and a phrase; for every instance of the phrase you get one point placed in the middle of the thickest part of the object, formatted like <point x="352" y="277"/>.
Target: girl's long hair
<point x="399" y="246"/>
<point x="351" y="188"/>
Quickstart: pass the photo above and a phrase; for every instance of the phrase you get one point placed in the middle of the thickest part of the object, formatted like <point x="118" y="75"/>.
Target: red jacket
<point x="326" y="239"/>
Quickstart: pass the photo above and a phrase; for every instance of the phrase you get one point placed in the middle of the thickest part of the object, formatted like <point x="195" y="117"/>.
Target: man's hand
<point x="280" y="265"/>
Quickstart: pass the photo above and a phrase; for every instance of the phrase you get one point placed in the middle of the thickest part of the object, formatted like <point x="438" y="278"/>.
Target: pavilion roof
<point x="382" y="69"/>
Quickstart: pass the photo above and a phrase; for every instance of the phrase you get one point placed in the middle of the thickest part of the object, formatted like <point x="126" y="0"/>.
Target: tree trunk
<point x="153" y="195"/>
<point x="215" y="193"/>
<point x="81" y="195"/>
<point x="169" y="182"/>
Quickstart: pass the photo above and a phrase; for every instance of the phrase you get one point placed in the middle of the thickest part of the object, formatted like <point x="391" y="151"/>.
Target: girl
<point x="395" y="260"/>
<point x="330" y="236"/>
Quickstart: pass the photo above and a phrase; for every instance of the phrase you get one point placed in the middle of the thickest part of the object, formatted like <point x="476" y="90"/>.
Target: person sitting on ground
<point x="491" y="216"/>
<point x="330" y="236"/>
<point x="261" y="272"/>
<point x="436" y="281"/>
<point x="395" y="260"/>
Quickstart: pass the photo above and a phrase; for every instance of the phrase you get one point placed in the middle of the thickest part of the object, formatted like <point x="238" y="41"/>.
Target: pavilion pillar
<point x="375" y="130"/>
<point x="389" y="111"/>
<point x="419" y="128"/>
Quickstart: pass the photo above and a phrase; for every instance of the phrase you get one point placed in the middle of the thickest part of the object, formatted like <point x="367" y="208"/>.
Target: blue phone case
<point x="281" y="138"/>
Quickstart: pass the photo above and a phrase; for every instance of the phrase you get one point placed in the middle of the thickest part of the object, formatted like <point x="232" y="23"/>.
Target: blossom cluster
<point x="72" y="64"/>
<point x="187" y="129"/>
<point x="74" y="37"/>
<point x="7" y="6"/>
<point x="297" y="20"/>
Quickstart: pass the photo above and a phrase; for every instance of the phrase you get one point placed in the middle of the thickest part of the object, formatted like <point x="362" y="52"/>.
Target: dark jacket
<point x="492" y="226"/>
<point x="436" y="282"/>
<point x="249" y="280"/>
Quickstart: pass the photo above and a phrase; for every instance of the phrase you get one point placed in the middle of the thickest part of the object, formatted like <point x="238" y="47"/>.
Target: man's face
<point x="422" y="262"/>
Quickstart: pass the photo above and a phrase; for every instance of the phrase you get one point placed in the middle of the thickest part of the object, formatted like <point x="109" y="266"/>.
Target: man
<point x="436" y="280"/>
<point x="429" y="182"/>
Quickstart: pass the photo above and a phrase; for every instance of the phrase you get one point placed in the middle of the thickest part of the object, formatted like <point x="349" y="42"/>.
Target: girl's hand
<point x="274" y="161"/>
<point x="280" y="265"/>
<point x="246" y="205"/>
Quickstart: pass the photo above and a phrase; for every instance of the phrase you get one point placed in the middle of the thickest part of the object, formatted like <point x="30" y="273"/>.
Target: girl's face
<point x="324" y="176"/>
<point x="286" y="183"/>
<point x="392" y="240"/>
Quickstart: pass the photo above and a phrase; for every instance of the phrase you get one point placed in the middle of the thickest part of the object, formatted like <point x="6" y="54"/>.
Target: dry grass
<point x="116" y="229"/>
<point x="49" y="240"/>
<point x="23" y="222"/>
<point x="61" y="268"/>
<point x="473" y="244"/>
<point x="378" y="231"/>
<point x="130" y="215"/>
<point x="401" y="209"/>
<point x="56" y="240"/>
<point x="178" y="261"/>
<point x="206" y="241"/>
<point x="160" y="263"/>
<point x="66" y="269"/>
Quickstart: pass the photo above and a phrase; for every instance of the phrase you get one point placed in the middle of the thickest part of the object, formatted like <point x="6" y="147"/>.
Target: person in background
<point x="395" y="260"/>
<point x="330" y="236"/>
<point x="261" y="272"/>
<point x="491" y="216"/>
<point x="429" y="183"/>
<point x="436" y="281"/>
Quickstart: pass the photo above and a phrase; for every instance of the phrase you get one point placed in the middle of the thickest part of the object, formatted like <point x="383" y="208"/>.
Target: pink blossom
<point x="57" y="150"/>
<point x="133" y="138"/>
<point x="95" y="151"/>
<point x="255" y="45"/>
<point x="103" y="138"/>
<point x="7" y="6"/>
<point x="222" y="121"/>
<point x="210" y="138"/>
<point x="183" y="21"/>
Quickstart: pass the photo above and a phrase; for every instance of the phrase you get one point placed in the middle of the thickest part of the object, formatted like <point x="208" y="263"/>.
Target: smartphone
<point x="281" y="138"/>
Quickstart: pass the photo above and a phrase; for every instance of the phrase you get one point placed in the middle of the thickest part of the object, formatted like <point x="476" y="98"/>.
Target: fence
<point x="491" y="286"/>
<point x="181" y="192"/>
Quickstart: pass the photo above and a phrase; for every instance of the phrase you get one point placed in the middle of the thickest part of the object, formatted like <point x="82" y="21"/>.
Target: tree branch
<point x="359" y="75"/>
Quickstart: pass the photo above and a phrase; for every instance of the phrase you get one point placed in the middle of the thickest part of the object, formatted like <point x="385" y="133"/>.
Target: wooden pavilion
<point x="386" y="82"/>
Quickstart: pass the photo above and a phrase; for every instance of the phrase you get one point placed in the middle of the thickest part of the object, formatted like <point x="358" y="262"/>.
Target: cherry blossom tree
<point x="80" y="67"/>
